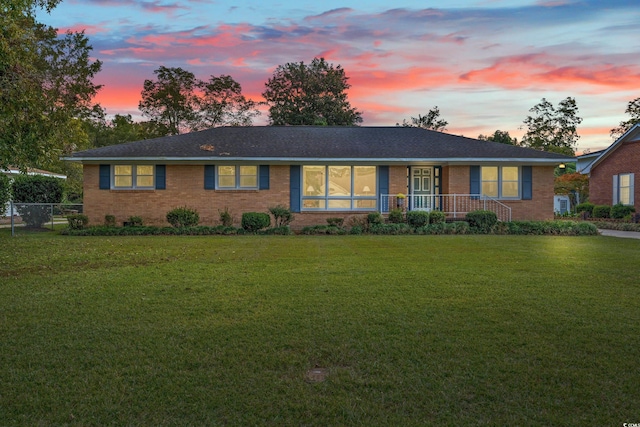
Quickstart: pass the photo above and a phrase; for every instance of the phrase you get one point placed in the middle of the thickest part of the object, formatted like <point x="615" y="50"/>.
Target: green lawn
<point x="405" y="330"/>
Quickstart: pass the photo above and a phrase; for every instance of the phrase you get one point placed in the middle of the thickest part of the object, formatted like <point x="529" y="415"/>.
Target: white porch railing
<point x="453" y="205"/>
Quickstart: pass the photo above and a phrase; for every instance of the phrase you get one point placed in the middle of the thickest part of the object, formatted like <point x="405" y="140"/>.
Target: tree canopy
<point x="45" y="86"/>
<point x="553" y="129"/>
<point x="177" y="102"/>
<point x="430" y="121"/>
<point x="633" y="109"/>
<point x="310" y="94"/>
<point x="502" y="137"/>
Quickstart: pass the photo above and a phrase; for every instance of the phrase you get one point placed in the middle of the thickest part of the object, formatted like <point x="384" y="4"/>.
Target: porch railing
<point x="453" y="205"/>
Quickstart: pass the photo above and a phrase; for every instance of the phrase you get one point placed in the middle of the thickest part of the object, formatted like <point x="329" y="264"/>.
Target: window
<point x="500" y="182"/>
<point x="237" y="177"/>
<point x="339" y="187"/>
<point x="624" y="189"/>
<point x="133" y="176"/>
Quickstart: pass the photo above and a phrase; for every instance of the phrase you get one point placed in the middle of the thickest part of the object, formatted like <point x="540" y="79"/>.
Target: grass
<point x="409" y="330"/>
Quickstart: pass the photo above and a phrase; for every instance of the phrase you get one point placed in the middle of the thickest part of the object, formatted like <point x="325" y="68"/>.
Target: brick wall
<point x="185" y="187"/>
<point x="624" y="159"/>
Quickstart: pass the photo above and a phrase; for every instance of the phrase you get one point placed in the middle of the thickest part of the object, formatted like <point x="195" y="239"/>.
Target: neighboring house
<point x="13" y="171"/>
<point x="613" y="173"/>
<point x="318" y="172"/>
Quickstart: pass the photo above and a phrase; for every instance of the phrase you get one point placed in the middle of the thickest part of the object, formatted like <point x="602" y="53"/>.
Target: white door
<point x="422" y="188"/>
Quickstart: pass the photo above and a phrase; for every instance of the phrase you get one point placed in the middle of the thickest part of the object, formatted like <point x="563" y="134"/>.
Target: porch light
<point x="562" y="166"/>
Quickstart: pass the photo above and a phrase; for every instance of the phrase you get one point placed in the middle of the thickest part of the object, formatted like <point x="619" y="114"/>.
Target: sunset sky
<point x="484" y="63"/>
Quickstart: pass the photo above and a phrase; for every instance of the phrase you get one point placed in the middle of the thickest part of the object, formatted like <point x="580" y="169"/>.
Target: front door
<point x="422" y="188"/>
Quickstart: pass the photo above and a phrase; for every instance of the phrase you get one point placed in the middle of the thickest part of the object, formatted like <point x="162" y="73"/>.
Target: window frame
<point x="326" y="200"/>
<point x="238" y="177"/>
<point x="500" y="181"/>
<point x="134" y="177"/>
<point x="629" y="187"/>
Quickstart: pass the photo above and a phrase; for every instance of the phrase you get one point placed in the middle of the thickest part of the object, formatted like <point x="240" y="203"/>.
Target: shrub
<point x="336" y="222"/>
<point x="417" y="218"/>
<point x="437" y="217"/>
<point x="482" y="221"/>
<point x="356" y="230"/>
<point x="601" y="211"/>
<point x="620" y="211"/>
<point x="375" y="218"/>
<point x="226" y="218"/>
<point x="5" y="192"/>
<point x="281" y="215"/>
<point x="396" y="216"/>
<point x="283" y="230"/>
<point x="77" y="221"/>
<point x="109" y="220"/>
<point x="391" y="229"/>
<point x="183" y="217"/>
<point x="323" y="229"/>
<point x="255" y="221"/>
<point x="135" y="221"/>
<point x="36" y="189"/>
<point x="585" y="207"/>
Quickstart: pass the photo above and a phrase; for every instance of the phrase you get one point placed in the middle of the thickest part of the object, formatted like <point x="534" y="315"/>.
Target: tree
<point x="633" y="109"/>
<point x="178" y="102"/>
<point x="502" y="137"/>
<point x="222" y="103"/>
<point x="552" y="129"/>
<point x="431" y="121"/>
<point x="575" y="185"/>
<point x="313" y="94"/>
<point x="170" y="100"/>
<point x="45" y="84"/>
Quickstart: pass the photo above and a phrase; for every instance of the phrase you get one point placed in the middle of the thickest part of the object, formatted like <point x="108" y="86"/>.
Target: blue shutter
<point x="209" y="177"/>
<point x="105" y="177"/>
<point x="474" y="184"/>
<point x="161" y="177"/>
<point x="383" y="180"/>
<point x="294" y="188"/>
<point x="527" y="183"/>
<point x="264" y="177"/>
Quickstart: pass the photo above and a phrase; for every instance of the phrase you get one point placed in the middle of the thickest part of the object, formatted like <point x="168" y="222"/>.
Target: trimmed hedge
<point x="417" y="218"/>
<point x="601" y="211"/>
<point x="255" y="221"/>
<point x="482" y="221"/>
<point x="620" y="211"/>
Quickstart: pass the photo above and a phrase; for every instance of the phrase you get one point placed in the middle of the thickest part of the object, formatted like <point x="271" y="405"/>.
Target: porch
<point x="453" y="205"/>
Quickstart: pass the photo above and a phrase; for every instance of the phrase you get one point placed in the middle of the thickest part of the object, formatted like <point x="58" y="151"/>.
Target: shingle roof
<point x="299" y="143"/>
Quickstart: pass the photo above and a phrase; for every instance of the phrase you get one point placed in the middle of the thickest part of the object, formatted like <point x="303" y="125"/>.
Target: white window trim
<point x="327" y="198"/>
<point x="134" y="169"/>
<point x="500" y="182"/>
<point x="237" y="178"/>
<point x="617" y="188"/>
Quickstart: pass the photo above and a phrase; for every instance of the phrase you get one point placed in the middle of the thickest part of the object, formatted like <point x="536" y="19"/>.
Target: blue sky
<point x="484" y="63"/>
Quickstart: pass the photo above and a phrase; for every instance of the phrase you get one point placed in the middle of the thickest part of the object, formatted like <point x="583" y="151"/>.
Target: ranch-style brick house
<point x="318" y="172"/>
<point x="613" y="172"/>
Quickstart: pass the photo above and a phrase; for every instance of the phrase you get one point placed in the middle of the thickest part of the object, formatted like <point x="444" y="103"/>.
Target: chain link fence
<point x="28" y="217"/>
